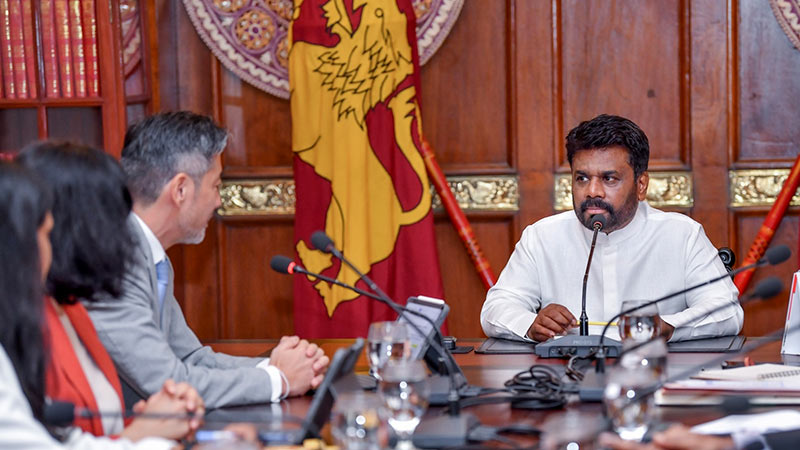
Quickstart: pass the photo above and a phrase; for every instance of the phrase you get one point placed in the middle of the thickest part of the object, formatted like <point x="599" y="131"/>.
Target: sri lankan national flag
<point x="359" y="174"/>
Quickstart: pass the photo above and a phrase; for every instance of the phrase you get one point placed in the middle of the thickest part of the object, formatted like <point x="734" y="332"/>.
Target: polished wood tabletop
<point x="488" y="370"/>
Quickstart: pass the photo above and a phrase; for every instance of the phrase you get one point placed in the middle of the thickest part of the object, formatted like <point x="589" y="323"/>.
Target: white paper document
<point x="758" y="372"/>
<point x="782" y="420"/>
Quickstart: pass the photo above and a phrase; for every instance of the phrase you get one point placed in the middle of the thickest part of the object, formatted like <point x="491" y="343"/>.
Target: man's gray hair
<point x="164" y="145"/>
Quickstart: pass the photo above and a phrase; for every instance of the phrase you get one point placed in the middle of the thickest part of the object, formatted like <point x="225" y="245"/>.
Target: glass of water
<point x="651" y="355"/>
<point x="355" y="421"/>
<point x="572" y="430"/>
<point x="404" y="390"/>
<point x="628" y="399"/>
<point x="386" y="341"/>
<point x="640" y="325"/>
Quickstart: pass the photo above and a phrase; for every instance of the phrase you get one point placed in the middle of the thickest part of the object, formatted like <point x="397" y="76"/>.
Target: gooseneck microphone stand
<point x="443" y="431"/>
<point x="582" y="345"/>
<point x="772" y="256"/>
<point x="598" y="222"/>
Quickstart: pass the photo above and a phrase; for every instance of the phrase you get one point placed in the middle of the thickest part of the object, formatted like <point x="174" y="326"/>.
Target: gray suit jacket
<point x="148" y="347"/>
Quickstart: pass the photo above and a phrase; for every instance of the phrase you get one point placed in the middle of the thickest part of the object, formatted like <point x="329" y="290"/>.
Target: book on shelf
<point x="64" y="49"/>
<point x="28" y="31"/>
<point x="49" y="52"/>
<point x="76" y="42"/>
<point x="18" y="48"/>
<point x="6" y="53"/>
<point x="62" y="44"/>
<point x="90" y="48"/>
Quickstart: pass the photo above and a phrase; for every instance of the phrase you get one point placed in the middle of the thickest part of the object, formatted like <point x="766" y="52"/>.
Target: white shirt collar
<point x="615" y="237"/>
<point x="156" y="248"/>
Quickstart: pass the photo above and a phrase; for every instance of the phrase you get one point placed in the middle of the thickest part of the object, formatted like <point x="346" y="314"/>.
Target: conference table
<point x="486" y="370"/>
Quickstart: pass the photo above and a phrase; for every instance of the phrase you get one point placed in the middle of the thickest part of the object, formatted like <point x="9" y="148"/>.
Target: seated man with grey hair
<point x="173" y="165"/>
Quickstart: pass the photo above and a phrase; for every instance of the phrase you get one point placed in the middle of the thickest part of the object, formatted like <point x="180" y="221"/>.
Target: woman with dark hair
<point x="25" y="209"/>
<point x="25" y="247"/>
<point x="90" y="253"/>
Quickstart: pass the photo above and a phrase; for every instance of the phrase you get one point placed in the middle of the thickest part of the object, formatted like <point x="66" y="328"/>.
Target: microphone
<point x="731" y="404"/>
<point x="598" y="222"/>
<point x="582" y="345"/>
<point x="323" y="243"/>
<point x="772" y="256"/>
<point x="63" y="414"/>
<point x="766" y="288"/>
<point x="593" y="384"/>
<point x="737" y="403"/>
<point x="285" y="265"/>
<point x="444" y="430"/>
<point x="58" y="414"/>
<point x="282" y="264"/>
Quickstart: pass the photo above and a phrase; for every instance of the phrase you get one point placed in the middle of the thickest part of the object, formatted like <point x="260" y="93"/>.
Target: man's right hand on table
<point x="303" y="363"/>
<point x="552" y="320"/>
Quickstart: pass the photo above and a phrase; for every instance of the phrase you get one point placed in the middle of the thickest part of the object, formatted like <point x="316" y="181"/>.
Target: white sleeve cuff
<point x="275" y="379"/>
<point x="521" y="324"/>
<point x="749" y="440"/>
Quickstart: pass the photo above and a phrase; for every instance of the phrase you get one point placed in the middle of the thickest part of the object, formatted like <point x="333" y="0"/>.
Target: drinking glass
<point x="355" y="421"/>
<point x="404" y="390"/>
<point x="572" y="430"/>
<point x="651" y="355"/>
<point x="639" y="325"/>
<point x="386" y="341"/>
<point x="629" y="401"/>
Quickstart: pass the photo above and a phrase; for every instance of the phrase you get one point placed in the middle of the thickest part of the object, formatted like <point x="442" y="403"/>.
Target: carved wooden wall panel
<point x="710" y="82"/>
<point x="260" y="129"/>
<point x="709" y="116"/>
<point x="763" y="111"/>
<point x="632" y="53"/>
<point x="465" y="91"/>
<point x="768" y="88"/>
<point x="256" y="301"/>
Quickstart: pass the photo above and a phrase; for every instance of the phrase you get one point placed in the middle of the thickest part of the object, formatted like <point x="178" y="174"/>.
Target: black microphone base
<point x="439" y="386"/>
<point x="444" y="431"/>
<point x="571" y="345"/>
<point x="592" y="387"/>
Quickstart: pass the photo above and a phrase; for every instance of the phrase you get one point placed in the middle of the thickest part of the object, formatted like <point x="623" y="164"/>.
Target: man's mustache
<point x="596" y="203"/>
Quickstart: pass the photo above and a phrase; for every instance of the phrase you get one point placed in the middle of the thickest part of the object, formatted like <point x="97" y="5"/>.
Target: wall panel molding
<point x="758" y="187"/>
<point x="267" y="197"/>
<point x="257" y="197"/>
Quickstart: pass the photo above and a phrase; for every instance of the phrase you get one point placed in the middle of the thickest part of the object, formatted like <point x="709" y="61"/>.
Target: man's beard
<point x="194" y="237"/>
<point x="189" y="234"/>
<point x="615" y="219"/>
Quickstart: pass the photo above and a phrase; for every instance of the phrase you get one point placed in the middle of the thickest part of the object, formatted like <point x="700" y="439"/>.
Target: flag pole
<point x="771" y="223"/>
<point x="457" y="217"/>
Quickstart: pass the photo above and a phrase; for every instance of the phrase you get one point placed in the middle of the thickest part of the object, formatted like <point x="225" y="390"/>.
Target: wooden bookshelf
<point x="93" y="114"/>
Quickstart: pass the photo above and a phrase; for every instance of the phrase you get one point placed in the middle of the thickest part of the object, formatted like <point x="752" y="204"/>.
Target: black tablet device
<point x="340" y="368"/>
<point x="432" y="308"/>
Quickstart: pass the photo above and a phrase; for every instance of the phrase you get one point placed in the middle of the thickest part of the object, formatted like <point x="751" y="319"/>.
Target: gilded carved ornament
<point x="277" y="196"/>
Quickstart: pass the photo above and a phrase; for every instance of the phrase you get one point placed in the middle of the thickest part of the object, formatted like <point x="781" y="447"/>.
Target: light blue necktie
<point x="162" y="273"/>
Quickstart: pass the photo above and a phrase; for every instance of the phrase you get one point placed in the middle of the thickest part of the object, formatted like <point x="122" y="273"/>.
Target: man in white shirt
<point x="641" y="254"/>
<point x="173" y="165"/>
